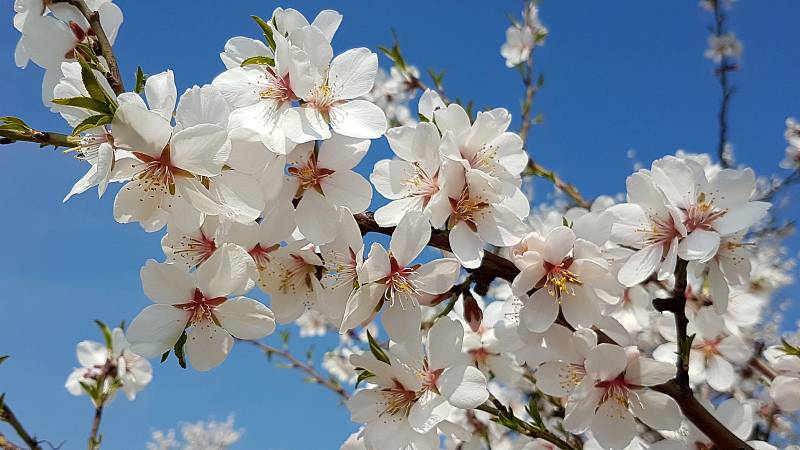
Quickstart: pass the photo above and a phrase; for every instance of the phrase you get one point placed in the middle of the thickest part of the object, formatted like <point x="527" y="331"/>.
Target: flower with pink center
<point x="564" y="370"/>
<point x="205" y="304"/>
<point x="487" y="146"/>
<point x="192" y="249"/>
<point x="171" y="168"/>
<point x="343" y="259"/>
<point x="390" y="278"/>
<point x="263" y="238"/>
<point x="329" y="94"/>
<point x="413" y="394"/>
<point x="118" y="365"/>
<point x="713" y="353"/>
<point x="617" y="393"/>
<point x="478" y="214"/>
<point x="261" y="95"/>
<point x="649" y="224"/>
<point x="709" y="207"/>
<point x="561" y="273"/>
<point x="292" y="280"/>
<point x="412" y="181"/>
<point x="322" y="180"/>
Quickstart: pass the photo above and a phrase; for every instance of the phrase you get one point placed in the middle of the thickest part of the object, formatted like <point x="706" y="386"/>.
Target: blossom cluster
<point x="253" y="179"/>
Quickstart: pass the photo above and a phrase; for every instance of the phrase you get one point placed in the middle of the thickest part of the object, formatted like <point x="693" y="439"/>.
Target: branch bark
<point x="522" y="427"/>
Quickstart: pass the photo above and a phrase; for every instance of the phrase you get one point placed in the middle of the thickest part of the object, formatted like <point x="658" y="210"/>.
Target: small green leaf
<point x="140" y="80"/>
<point x="3" y="359"/>
<point x="165" y="356"/>
<point x="92" y="122"/>
<point x="376" y="350"/>
<point x="106" y="334"/>
<point x="285" y="335"/>
<point x="179" y="353"/>
<point x="363" y="376"/>
<point x="85" y="103"/>
<point x="566" y="222"/>
<point x="259" y="60"/>
<point x="422" y="118"/>
<point x="533" y="411"/>
<point x="789" y="349"/>
<point x="90" y="83"/>
<point x="267" y="29"/>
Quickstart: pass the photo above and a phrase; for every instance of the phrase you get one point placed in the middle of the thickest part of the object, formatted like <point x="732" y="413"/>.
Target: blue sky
<point x="618" y="76"/>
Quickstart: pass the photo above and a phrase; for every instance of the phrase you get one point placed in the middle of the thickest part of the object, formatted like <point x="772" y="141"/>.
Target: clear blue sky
<point x="619" y="75"/>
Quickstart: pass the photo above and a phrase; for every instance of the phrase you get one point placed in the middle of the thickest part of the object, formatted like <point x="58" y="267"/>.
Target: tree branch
<point x="307" y="368"/>
<point x="44" y="138"/>
<point x="94" y="437"/>
<point x="570" y="190"/>
<point x="7" y="415"/>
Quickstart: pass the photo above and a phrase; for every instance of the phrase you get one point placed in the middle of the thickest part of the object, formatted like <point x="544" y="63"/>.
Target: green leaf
<point x="92" y="122"/>
<point x="3" y="359"/>
<point x="376" y="350"/>
<point x="789" y="349"/>
<point x="267" y="29"/>
<point x="90" y="83"/>
<point x="165" y="356"/>
<point x="422" y="118"/>
<point x="566" y="222"/>
<point x="260" y="60"/>
<point x="85" y="103"/>
<point x="106" y="334"/>
<point x="285" y="334"/>
<point x="363" y="376"/>
<point x="533" y="411"/>
<point x="140" y="80"/>
<point x="179" y="353"/>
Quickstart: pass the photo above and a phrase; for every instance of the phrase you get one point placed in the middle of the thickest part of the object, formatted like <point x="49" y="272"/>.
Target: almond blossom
<point x="322" y="180"/>
<point x="329" y="92"/>
<point x="114" y="365"/>
<point x="415" y="391"/>
<point x="412" y="181"/>
<point x="785" y="388"/>
<point x="205" y="304"/>
<point x="566" y="274"/>
<point x="166" y="168"/>
<point x="618" y="393"/>
<point x="391" y="278"/>
<point x="479" y="214"/>
<point x="713" y="351"/>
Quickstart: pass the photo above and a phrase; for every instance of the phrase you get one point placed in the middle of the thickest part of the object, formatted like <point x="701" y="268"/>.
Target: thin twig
<point x="722" y="70"/>
<point x="307" y="368"/>
<point x="7" y="415"/>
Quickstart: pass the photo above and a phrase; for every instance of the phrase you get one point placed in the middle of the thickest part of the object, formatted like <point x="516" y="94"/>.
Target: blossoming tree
<point x="628" y="322"/>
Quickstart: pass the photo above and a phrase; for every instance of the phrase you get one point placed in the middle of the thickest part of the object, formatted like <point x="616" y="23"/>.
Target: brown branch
<point x="7" y="415"/>
<point x="307" y="368"/>
<point x="43" y="138"/>
<point x="113" y="76"/>
<point x="492" y="267"/>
